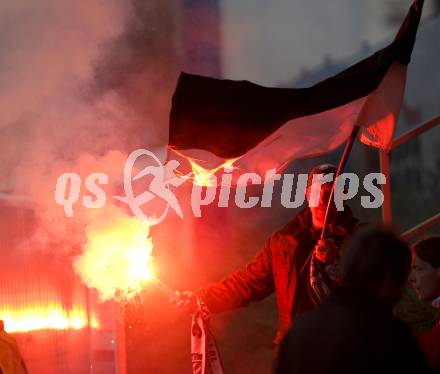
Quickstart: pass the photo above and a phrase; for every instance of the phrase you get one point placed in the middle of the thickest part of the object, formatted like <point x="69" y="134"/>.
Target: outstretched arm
<point x="253" y="282"/>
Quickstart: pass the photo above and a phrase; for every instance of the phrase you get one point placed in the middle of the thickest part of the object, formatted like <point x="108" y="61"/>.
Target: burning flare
<point x="117" y="258"/>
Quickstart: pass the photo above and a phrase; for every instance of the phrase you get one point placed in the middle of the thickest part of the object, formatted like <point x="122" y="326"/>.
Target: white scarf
<point x="205" y="357"/>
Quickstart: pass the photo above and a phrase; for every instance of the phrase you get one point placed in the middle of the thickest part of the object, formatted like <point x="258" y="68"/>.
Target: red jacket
<point x="281" y="266"/>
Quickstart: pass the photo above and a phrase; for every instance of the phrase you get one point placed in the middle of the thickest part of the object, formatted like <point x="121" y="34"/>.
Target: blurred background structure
<point x="58" y="323"/>
<point x="124" y="77"/>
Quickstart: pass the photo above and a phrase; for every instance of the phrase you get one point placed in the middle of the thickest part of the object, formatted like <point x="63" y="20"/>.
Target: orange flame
<point x="42" y="317"/>
<point x="202" y="176"/>
<point x="117" y="259"/>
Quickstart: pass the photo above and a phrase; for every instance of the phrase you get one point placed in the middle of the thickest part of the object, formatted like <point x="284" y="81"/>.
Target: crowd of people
<point x="355" y="330"/>
<point x="336" y="296"/>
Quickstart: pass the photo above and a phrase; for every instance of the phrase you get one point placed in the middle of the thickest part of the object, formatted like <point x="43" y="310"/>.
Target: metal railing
<point x="387" y="215"/>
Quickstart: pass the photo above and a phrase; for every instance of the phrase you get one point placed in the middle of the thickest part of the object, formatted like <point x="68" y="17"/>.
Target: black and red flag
<point x="262" y="128"/>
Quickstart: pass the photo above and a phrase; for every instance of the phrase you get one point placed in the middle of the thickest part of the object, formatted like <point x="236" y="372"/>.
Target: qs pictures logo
<point x="68" y="188"/>
<point x="164" y="179"/>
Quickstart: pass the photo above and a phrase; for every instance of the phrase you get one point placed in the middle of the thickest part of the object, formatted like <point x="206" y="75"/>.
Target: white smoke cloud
<point x="57" y="117"/>
<point x="49" y="50"/>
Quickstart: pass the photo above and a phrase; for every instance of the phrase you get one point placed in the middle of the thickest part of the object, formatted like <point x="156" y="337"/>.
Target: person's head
<point x="316" y="182"/>
<point x="376" y="263"/>
<point x="425" y="273"/>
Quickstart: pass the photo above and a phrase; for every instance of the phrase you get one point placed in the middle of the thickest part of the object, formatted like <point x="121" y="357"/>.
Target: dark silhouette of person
<point x="425" y="278"/>
<point x="355" y="331"/>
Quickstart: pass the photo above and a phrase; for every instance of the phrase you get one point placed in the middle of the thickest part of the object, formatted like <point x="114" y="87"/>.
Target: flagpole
<point x="342" y="162"/>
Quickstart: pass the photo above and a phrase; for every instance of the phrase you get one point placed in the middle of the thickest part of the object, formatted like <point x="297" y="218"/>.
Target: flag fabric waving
<point x="215" y="120"/>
